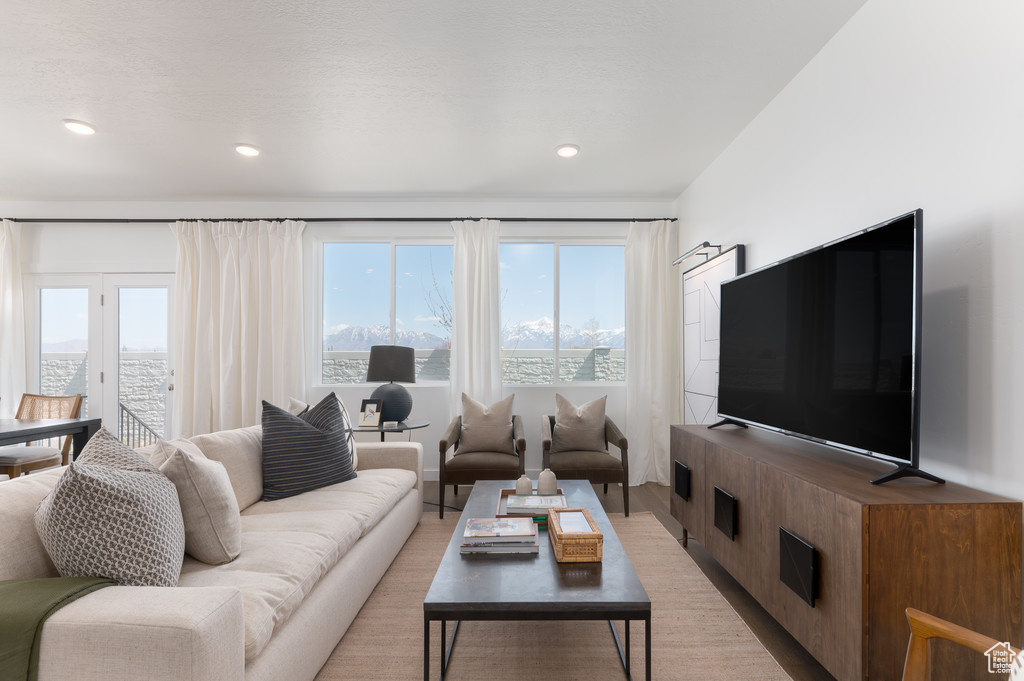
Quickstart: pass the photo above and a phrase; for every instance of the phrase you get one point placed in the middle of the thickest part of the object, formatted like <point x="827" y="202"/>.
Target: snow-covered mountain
<point x="74" y="345"/>
<point x="539" y="333"/>
<point x="362" y="337"/>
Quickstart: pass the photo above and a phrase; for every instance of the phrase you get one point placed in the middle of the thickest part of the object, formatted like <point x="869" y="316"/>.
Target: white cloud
<point x="504" y="266"/>
<point x="542" y="276"/>
<point x="421" y="318"/>
<point x="369" y="271"/>
<point x="334" y="329"/>
<point x="399" y="322"/>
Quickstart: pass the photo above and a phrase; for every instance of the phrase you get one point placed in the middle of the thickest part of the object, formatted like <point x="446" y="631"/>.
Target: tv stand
<point x="749" y="496"/>
<point x="727" y="422"/>
<point x="906" y="471"/>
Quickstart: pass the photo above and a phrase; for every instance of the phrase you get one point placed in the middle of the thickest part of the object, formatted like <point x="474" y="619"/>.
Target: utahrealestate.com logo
<point x="1002" y="659"/>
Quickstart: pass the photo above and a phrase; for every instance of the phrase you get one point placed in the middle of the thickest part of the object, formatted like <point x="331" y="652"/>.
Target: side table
<point x="406" y="425"/>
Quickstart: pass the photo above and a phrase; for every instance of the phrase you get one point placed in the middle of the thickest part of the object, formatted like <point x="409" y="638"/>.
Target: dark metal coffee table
<point x="534" y="587"/>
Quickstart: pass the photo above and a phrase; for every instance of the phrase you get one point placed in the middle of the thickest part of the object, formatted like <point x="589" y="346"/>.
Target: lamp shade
<point x="391" y="363"/>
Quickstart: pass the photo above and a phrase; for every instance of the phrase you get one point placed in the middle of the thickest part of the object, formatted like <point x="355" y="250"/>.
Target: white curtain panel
<point x="476" y="332"/>
<point x="653" y="348"/>
<point x="238" y="322"/>
<point x="13" y="364"/>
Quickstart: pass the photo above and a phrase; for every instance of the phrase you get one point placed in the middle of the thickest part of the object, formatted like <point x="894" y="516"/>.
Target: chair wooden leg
<point x="625" y="497"/>
<point x="455" y="489"/>
<point x="606" y="488"/>
<point x="440" y="499"/>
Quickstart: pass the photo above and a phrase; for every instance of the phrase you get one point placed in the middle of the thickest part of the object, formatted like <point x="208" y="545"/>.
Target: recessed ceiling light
<point x="247" y="150"/>
<point x="567" y="150"/>
<point x="79" y="127"/>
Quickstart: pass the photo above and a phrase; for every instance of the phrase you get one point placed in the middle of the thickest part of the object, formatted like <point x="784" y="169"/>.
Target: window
<point x="64" y="343"/>
<point x="139" y="358"/>
<point x="382" y="294"/>
<point x="584" y="336"/>
<point x="592" y="313"/>
<point x="527" y="313"/>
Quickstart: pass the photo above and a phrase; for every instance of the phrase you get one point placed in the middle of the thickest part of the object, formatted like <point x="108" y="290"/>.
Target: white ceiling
<point x="368" y="98"/>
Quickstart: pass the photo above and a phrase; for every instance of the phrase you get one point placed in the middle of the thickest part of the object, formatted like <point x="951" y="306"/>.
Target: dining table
<point x="15" y="431"/>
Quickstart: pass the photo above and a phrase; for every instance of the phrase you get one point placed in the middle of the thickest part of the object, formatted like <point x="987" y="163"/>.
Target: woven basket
<point x="574" y="547"/>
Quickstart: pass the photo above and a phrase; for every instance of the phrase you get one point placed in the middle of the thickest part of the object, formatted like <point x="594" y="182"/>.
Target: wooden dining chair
<point x="18" y="459"/>
<point x="924" y="627"/>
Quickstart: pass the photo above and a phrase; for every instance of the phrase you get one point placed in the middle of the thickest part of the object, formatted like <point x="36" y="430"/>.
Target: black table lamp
<point x="392" y="363"/>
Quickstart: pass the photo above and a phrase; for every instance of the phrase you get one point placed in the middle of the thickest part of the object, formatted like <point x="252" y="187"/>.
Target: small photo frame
<point x="369" y="413"/>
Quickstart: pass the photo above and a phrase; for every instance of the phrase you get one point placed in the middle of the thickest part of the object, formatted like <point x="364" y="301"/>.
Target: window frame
<point x="393" y="242"/>
<point x="558" y="242"/>
<point x="435" y="234"/>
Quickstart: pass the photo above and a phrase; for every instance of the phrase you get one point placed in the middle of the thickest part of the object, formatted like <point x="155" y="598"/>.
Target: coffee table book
<point x="534" y="504"/>
<point x="498" y="530"/>
<point x="531" y="546"/>
<point x="500" y="535"/>
<point x="539" y="514"/>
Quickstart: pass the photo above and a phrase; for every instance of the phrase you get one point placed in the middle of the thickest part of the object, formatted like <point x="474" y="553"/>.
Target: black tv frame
<point x="903" y="468"/>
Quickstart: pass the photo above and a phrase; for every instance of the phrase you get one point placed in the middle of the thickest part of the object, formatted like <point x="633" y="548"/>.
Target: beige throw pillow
<point x="213" y="526"/>
<point x="486" y="429"/>
<point x="579" y="428"/>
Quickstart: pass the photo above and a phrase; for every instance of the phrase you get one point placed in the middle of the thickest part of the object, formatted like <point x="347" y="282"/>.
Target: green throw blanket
<point x="24" y="606"/>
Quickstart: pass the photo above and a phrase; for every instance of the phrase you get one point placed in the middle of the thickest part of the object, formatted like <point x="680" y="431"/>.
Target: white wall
<point x="914" y="103"/>
<point x="145" y="247"/>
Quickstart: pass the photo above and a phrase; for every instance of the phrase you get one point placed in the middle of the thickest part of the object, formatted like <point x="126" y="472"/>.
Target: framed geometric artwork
<point x="701" y="305"/>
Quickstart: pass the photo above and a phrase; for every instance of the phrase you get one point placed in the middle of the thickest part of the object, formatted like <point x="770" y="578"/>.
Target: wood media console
<point x="837" y="560"/>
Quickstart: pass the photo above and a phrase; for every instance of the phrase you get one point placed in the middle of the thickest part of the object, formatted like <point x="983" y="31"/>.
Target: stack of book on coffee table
<point x="500" y="535"/>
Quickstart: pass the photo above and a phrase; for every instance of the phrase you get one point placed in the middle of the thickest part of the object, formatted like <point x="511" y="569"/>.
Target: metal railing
<point x="132" y="430"/>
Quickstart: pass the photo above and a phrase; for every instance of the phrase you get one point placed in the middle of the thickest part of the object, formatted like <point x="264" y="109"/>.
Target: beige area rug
<point x="697" y="634"/>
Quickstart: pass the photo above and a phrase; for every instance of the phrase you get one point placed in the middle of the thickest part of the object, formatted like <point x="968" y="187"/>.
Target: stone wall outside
<point x="529" y="367"/>
<point x="143" y="382"/>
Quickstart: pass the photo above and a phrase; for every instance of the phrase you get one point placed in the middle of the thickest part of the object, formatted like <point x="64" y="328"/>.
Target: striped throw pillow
<point x="304" y="452"/>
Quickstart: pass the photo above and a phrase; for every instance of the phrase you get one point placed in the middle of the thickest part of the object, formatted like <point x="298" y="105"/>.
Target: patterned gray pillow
<point x="305" y="452"/>
<point x="113" y="514"/>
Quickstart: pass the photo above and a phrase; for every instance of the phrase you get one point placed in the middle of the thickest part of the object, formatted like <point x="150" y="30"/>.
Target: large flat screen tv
<point x="826" y="345"/>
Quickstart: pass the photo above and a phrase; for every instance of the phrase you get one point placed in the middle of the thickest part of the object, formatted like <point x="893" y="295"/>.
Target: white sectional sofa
<point x="307" y="565"/>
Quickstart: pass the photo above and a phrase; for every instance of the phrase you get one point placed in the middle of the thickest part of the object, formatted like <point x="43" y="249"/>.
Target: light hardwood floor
<point x="797" y="662"/>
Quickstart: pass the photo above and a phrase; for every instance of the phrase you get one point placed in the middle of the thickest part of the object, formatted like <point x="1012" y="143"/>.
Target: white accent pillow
<point x="579" y="428"/>
<point x="213" y="526"/>
<point x="486" y="429"/>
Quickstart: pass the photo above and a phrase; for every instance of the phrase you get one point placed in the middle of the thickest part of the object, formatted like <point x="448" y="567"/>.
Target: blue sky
<point x="142" y="323"/>
<point x="357" y="285"/>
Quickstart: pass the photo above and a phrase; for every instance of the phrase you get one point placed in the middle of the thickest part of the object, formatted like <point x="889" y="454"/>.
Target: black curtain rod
<point x="155" y="220"/>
